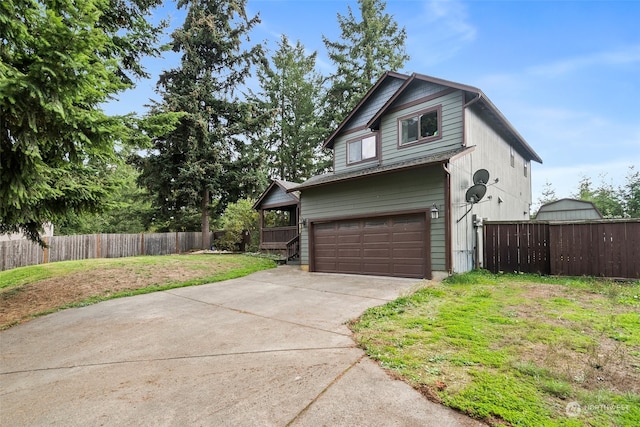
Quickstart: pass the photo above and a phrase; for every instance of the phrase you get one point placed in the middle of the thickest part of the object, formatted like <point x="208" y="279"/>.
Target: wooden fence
<point x="603" y="248"/>
<point x="19" y="253"/>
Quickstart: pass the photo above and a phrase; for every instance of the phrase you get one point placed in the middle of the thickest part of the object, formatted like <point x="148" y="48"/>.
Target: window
<point x="526" y="169"/>
<point x="361" y="149"/>
<point x="513" y="158"/>
<point x="421" y="127"/>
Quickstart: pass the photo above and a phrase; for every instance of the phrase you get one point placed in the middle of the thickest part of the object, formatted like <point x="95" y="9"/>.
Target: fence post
<point x="177" y="243"/>
<point x="98" y="248"/>
<point x="141" y="243"/>
<point x="45" y="253"/>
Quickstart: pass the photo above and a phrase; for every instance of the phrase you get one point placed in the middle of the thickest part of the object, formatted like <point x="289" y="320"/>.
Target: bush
<point x="236" y="218"/>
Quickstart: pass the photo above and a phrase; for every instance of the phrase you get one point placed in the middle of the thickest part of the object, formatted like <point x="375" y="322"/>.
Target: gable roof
<point x="279" y="185"/>
<point x="331" y="178"/>
<point x="490" y="111"/>
<point x="387" y="75"/>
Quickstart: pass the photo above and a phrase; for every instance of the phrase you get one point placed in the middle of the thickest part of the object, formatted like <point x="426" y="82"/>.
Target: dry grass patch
<point x="32" y="291"/>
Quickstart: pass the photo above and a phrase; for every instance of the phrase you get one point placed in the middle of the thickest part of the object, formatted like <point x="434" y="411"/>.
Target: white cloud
<point x="438" y="32"/>
<point x="622" y="56"/>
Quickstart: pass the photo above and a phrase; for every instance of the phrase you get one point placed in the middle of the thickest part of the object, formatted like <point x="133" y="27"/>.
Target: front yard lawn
<point x="516" y="349"/>
<point x="28" y="292"/>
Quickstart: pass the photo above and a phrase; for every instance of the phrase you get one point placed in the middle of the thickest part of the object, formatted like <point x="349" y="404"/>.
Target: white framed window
<point x="363" y="149"/>
<point x="420" y="127"/>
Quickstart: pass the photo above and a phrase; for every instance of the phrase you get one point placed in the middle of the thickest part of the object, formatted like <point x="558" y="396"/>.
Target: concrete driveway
<point x="268" y="349"/>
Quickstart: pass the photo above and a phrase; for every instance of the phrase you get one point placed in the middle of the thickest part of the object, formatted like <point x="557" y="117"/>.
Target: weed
<point x="557" y="388"/>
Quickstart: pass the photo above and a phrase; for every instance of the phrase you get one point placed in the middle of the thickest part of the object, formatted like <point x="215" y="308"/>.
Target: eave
<point x="332" y="178"/>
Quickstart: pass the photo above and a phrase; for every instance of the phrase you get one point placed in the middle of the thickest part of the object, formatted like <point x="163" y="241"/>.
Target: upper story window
<point x="423" y="126"/>
<point x="362" y="149"/>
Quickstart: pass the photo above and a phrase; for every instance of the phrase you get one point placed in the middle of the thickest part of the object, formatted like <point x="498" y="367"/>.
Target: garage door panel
<point x="349" y="252"/>
<point x="349" y="267"/>
<point x="394" y="245"/>
<point x="407" y="270"/>
<point x="376" y="237"/>
<point x="349" y="238"/>
<point x="384" y="253"/>
<point x="326" y="252"/>
<point x="408" y="237"/>
<point x="325" y="240"/>
<point x="377" y="268"/>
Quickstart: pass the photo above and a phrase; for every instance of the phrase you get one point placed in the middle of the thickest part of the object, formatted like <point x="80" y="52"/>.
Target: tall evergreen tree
<point x="204" y="162"/>
<point x="290" y="93"/>
<point x="366" y="49"/>
<point x="59" y="61"/>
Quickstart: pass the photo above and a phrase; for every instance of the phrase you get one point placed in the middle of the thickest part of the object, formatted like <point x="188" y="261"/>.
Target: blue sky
<point x="566" y="74"/>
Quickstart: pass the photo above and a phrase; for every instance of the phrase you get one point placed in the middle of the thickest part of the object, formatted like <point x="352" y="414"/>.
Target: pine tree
<point x="366" y="49"/>
<point x="548" y="194"/>
<point x="59" y="61"/>
<point x="205" y="163"/>
<point x="290" y="91"/>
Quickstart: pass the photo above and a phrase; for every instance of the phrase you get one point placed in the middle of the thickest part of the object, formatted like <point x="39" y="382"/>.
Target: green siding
<point x="400" y="191"/>
<point x="452" y="135"/>
<point x="278" y="196"/>
<point x="452" y="130"/>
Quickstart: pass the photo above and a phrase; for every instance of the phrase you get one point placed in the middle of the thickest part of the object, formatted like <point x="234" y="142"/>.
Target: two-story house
<point x="400" y="200"/>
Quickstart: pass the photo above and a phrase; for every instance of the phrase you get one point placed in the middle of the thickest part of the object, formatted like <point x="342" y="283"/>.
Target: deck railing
<point x="277" y="237"/>
<point x="293" y="248"/>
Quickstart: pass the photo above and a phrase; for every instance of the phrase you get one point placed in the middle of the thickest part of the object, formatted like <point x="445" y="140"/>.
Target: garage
<point x="394" y="245"/>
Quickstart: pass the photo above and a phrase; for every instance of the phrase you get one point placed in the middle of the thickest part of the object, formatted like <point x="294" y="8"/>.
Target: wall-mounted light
<point x="303" y="222"/>
<point x="434" y="212"/>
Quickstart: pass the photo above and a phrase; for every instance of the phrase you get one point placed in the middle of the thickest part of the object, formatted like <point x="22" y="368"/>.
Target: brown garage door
<point x="387" y="246"/>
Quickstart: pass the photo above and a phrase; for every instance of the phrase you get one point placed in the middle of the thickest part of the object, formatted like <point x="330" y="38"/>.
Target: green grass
<point x="516" y="348"/>
<point x="201" y="269"/>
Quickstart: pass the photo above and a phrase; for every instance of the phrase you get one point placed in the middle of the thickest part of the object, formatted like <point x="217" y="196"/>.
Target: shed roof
<point x="568" y="210"/>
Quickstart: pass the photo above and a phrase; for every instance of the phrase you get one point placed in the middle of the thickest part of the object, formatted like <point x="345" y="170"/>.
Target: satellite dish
<point x="475" y="193"/>
<point x="481" y="177"/>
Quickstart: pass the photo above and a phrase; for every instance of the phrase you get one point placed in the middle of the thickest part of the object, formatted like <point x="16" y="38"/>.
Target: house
<point x="568" y="210"/>
<point x="279" y="212"/>
<point x="417" y="165"/>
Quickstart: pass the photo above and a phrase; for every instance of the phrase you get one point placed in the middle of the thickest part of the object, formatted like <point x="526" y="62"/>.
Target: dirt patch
<point x="20" y="304"/>
<point x="606" y="364"/>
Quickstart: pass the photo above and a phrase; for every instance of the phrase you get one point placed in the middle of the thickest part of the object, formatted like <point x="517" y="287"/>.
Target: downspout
<point x="464" y="142"/>
<point x="448" y="245"/>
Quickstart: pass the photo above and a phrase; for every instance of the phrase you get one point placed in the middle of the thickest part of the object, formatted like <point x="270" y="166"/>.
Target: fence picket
<point x="605" y="248"/>
<point x="20" y="253"/>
